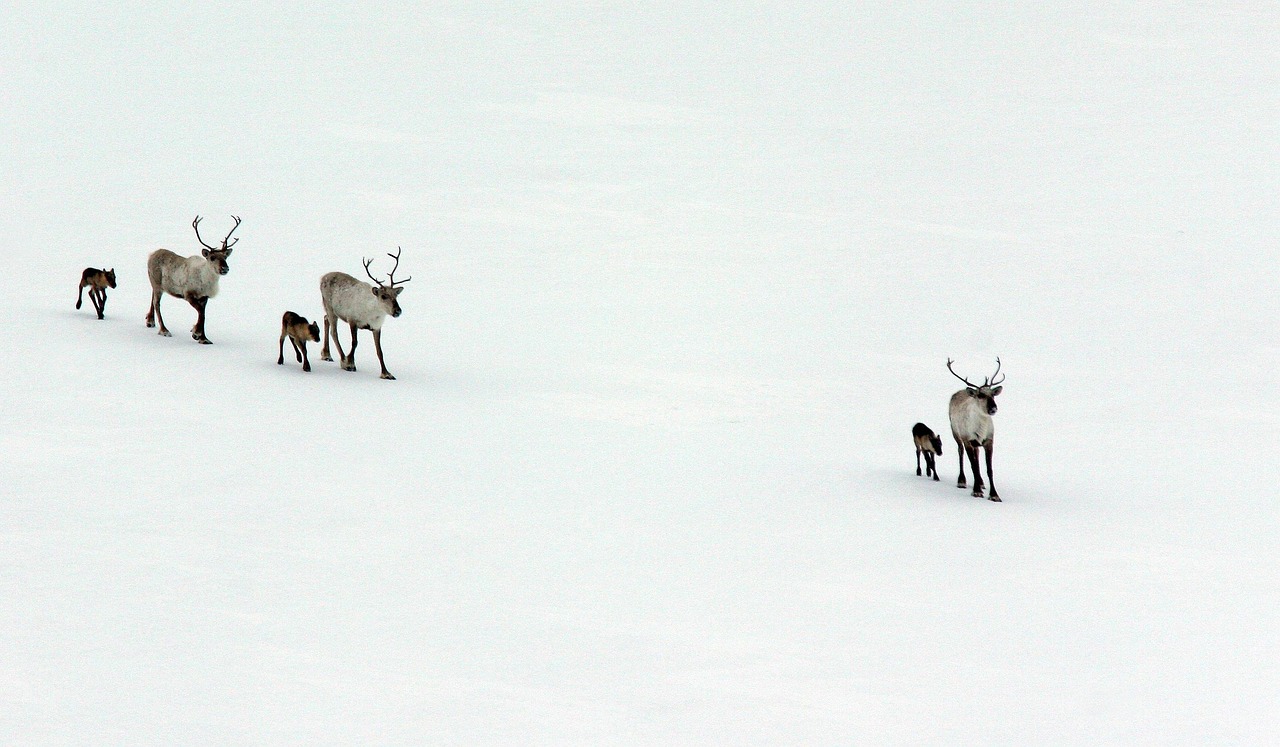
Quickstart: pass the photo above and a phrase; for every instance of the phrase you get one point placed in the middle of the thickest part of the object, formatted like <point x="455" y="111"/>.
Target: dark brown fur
<point x="97" y="281"/>
<point x="929" y="444"/>
<point x="296" y="328"/>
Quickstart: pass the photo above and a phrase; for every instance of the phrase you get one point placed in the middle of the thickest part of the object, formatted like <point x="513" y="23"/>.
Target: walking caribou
<point x="927" y="443"/>
<point x="362" y="306"/>
<point x="298" y="330"/>
<point x="193" y="279"/>
<point x="971" y="426"/>
<point x="97" y="281"/>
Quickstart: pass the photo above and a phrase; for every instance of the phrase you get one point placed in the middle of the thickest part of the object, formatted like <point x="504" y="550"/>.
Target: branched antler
<point x="225" y="245"/>
<point x="958" y="376"/>
<point x="368" y="262"/>
<point x="391" y="278"/>
<point x="993" y="376"/>
<point x="989" y="381"/>
<point x="196" y="225"/>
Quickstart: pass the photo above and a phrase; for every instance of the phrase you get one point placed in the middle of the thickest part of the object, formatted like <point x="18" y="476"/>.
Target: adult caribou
<point x="362" y="306"/>
<point x="193" y="279"/>
<point x="971" y="426"/>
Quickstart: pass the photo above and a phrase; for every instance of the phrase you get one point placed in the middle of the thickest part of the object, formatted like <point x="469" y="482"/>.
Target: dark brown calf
<point x="97" y="281"/>
<point x="930" y="445"/>
<point x="296" y="328"/>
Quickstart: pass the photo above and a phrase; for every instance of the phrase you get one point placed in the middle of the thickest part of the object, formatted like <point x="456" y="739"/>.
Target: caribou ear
<point x="398" y="291"/>
<point x="205" y="252"/>
<point x="972" y="392"/>
<point x="373" y="290"/>
<point x="997" y="391"/>
<point x="226" y="252"/>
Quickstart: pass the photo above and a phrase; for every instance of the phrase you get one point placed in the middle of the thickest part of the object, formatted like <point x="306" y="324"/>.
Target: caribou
<point x="193" y="279"/>
<point x="298" y="330"/>
<point x="362" y="306"/>
<point x="971" y="426"/>
<point x="97" y="281"/>
<point x="929" y="444"/>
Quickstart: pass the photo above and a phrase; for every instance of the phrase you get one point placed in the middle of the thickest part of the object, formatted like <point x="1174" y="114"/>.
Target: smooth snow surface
<point x="683" y="279"/>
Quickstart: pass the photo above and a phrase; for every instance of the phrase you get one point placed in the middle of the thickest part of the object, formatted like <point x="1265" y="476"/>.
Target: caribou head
<point x="388" y="293"/>
<point x="987" y="391"/>
<point x="217" y="256"/>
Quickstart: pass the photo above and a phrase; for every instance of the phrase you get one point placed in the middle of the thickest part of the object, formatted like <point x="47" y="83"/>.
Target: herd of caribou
<point x="194" y="279"/>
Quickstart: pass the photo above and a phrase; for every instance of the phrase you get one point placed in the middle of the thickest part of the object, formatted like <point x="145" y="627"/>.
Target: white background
<point x="683" y="279"/>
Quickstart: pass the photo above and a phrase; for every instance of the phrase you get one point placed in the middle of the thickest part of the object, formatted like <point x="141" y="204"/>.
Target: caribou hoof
<point x="387" y="376"/>
<point x="165" y="333"/>
<point x="935" y="478"/>
<point x="977" y="494"/>
<point x="995" y="498"/>
<point x="204" y="341"/>
<point x="348" y="366"/>
<point x="327" y="358"/>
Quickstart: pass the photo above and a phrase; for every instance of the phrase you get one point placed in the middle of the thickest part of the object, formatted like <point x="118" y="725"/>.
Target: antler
<point x="196" y="225"/>
<point x="391" y="278"/>
<point x="225" y="245"/>
<point x="993" y="381"/>
<point x="368" y="262"/>
<point x="958" y="376"/>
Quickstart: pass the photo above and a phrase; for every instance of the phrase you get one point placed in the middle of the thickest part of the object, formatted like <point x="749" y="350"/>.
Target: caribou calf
<point x="296" y="328"/>
<point x="362" y="306"/>
<point x="971" y="426"/>
<point x="929" y="444"/>
<point x="97" y="281"/>
<point x="193" y="279"/>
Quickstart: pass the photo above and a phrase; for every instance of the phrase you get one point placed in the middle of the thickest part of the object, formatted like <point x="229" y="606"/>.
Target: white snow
<point x="683" y="279"/>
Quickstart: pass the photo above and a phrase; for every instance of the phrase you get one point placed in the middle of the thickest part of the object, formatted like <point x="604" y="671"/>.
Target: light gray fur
<point x="360" y="305"/>
<point x="970" y="423"/>
<point x="972" y="427"/>
<point x="179" y="276"/>
<point x="353" y="301"/>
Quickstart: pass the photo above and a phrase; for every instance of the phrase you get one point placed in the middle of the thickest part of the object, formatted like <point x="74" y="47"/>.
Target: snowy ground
<point x="683" y="279"/>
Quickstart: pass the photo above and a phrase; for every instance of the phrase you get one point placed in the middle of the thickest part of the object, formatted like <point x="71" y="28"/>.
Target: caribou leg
<point x="324" y="351"/>
<point x="991" y="480"/>
<point x="296" y="351"/>
<point x="337" y="342"/>
<point x="197" y="332"/>
<point x="280" y="358"/>
<point x="80" y="296"/>
<point x="154" y="315"/>
<point x="918" y="461"/>
<point x="960" y="449"/>
<point x="348" y="363"/>
<point x="377" y="345"/>
<point x="972" y="450"/>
